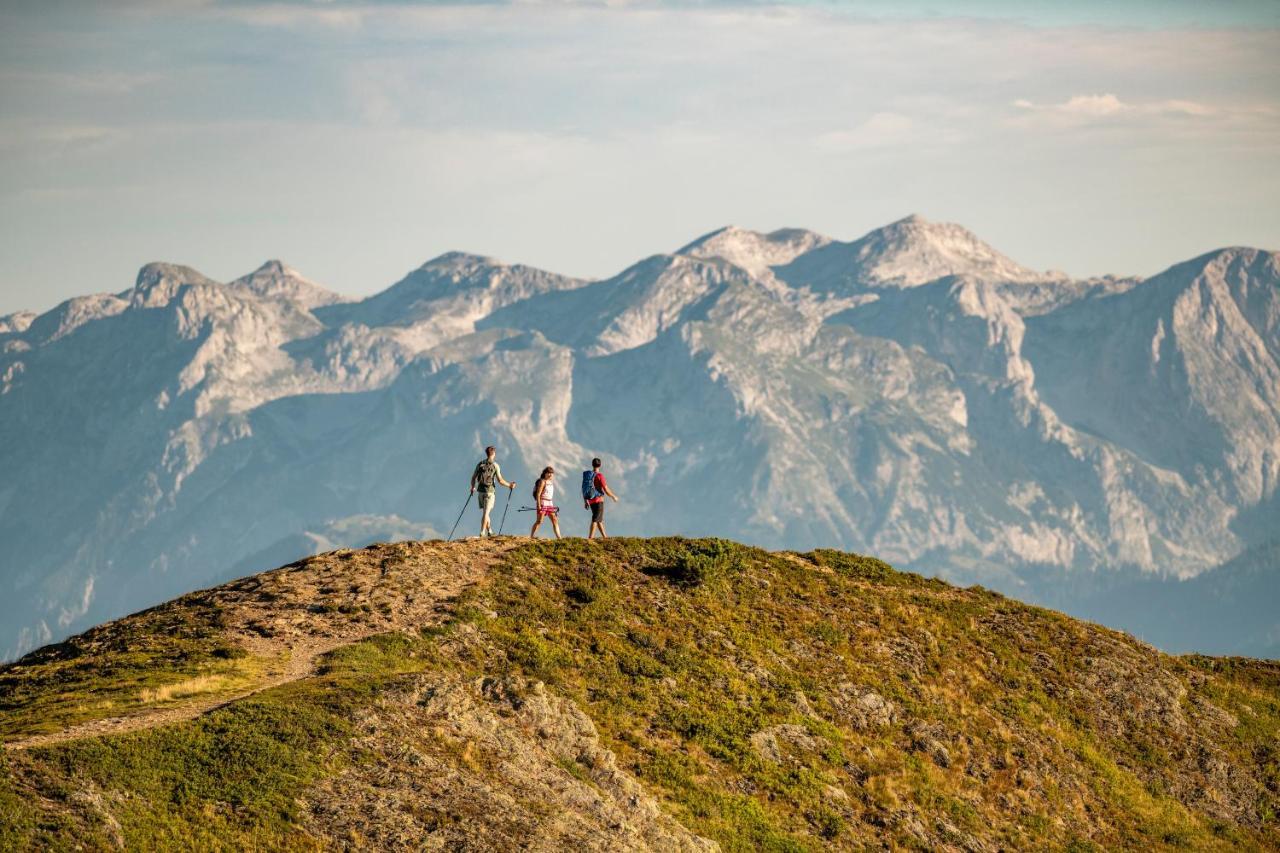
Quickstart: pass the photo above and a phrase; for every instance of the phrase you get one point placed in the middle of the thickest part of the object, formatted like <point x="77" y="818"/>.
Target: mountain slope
<point x="905" y="253"/>
<point x="647" y="694"/>
<point x="1182" y="369"/>
<point x="913" y="393"/>
<point x="1094" y="500"/>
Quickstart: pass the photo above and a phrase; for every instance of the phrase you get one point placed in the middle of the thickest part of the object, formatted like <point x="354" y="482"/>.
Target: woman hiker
<point x="544" y="492"/>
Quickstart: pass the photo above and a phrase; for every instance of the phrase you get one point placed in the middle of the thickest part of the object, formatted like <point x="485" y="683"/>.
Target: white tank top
<point x="548" y="492"/>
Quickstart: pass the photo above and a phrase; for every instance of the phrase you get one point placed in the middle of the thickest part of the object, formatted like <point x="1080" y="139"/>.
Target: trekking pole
<point x="503" y="523"/>
<point x="455" y="524"/>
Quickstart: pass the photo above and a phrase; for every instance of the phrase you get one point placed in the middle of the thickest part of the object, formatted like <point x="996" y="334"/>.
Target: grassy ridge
<point x="229" y="779"/>
<point x="160" y="656"/>
<point x="681" y="652"/>
<point x="769" y="701"/>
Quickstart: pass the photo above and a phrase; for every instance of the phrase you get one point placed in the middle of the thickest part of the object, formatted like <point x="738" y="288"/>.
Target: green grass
<point x="229" y="779"/>
<point x="681" y="650"/>
<point x="686" y="654"/>
<point x="123" y="668"/>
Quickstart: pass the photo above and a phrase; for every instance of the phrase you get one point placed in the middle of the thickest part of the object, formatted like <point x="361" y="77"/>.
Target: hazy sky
<point x="355" y="141"/>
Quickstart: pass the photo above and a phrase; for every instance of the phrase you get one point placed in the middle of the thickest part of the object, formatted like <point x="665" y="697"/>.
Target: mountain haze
<point x="912" y="393"/>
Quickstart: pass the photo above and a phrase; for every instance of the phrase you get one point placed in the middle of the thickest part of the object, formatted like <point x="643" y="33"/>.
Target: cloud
<point x="1093" y="105"/>
<point x="879" y="130"/>
<point x="1109" y="109"/>
<point x="67" y="615"/>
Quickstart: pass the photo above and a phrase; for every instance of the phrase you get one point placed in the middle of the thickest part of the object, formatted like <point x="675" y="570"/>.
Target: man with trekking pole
<point x="484" y="482"/>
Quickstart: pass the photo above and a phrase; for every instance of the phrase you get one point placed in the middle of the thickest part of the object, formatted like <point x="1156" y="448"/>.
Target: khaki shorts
<point x="486" y="500"/>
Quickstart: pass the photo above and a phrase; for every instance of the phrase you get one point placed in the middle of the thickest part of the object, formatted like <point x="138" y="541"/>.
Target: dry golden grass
<point x="190" y="687"/>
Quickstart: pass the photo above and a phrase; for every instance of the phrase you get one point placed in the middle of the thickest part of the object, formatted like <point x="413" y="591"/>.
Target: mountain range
<point x="1110" y="446"/>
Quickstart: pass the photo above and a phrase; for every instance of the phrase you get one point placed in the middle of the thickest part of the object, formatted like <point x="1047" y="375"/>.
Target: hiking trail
<point x="292" y="616"/>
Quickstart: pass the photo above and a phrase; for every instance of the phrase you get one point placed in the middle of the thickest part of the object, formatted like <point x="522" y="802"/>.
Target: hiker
<point x="485" y="480"/>
<point x="594" y="490"/>
<point x="544" y="492"/>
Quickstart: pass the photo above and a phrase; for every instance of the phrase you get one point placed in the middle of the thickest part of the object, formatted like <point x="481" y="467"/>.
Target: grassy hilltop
<point x="639" y="693"/>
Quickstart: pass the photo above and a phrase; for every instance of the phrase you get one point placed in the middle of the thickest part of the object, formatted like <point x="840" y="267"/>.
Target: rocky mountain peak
<point x="16" y="323"/>
<point x="157" y="272"/>
<point x="914" y="250"/>
<point x="277" y="280"/>
<point x="461" y="263"/>
<point x="754" y="251"/>
<point x="157" y="283"/>
<point x="1235" y="279"/>
<point x="456" y="288"/>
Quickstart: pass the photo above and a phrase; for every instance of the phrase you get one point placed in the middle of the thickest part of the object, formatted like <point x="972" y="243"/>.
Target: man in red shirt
<point x="595" y="502"/>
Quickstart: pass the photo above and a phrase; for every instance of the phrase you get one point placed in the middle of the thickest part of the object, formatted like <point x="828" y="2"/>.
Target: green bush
<point x="700" y="562"/>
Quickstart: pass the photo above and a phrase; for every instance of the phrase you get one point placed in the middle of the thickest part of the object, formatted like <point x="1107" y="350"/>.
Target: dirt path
<point x="293" y="615"/>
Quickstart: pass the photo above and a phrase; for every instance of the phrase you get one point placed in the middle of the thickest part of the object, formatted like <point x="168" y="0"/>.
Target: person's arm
<point x="497" y="475"/>
<point x="604" y="487"/>
<point x="475" y="476"/>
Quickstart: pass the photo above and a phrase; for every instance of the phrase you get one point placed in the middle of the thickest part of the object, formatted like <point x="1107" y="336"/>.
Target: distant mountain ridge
<point x="912" y="393"/>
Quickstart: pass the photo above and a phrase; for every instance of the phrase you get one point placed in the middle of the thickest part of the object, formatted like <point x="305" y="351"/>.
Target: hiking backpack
<point x="589" y="490"/>
<point x="487" y="471"/>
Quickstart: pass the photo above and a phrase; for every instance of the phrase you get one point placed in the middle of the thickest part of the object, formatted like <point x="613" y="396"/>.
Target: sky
<point x="355" y="141"/>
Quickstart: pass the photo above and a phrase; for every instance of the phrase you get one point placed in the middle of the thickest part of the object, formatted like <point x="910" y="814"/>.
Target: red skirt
<point x="547" y="510"/>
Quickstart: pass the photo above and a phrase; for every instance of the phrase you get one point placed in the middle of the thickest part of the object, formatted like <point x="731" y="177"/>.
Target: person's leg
<point x="555" y="524"/>
<point x="537" y="522"/>
<point x="597" y="517"/>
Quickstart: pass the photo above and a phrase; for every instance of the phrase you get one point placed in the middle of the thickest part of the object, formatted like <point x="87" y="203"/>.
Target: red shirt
<point x="600" y="487"/>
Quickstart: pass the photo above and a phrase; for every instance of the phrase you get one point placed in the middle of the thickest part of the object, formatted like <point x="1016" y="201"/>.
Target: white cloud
<point x="1108" y="108"/>
<point x="880" y="129"/>
<point x="67" y="615"/>
<point x="1093" y="105"/>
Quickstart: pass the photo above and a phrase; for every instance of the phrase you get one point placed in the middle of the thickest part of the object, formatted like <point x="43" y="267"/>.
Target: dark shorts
<point x="597" y="511"/>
